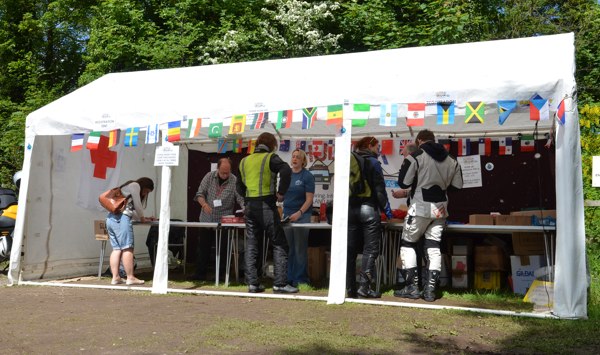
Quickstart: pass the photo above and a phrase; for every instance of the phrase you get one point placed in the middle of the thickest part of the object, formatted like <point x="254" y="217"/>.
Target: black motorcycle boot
<point x="351" y="286"/>
<point x="400" y="279"/>
<point x="429" y="290"/>
<point x="411" y="290"/>
<point x="365" y="290"/>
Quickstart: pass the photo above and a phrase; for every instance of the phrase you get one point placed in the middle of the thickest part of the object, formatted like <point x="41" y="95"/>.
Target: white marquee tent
<point x="51" y="241"/>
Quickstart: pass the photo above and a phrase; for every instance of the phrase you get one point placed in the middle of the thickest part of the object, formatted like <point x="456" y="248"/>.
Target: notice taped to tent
<point x="166" y="156"/>
<point x="471" y="170"/>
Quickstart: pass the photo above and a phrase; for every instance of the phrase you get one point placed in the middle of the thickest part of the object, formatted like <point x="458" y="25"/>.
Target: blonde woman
<point x="297" y="205"/>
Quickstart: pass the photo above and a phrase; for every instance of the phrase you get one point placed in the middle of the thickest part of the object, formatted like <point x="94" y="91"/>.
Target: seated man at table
<point x="217" y="195"/>
<point x="429" y="173"/>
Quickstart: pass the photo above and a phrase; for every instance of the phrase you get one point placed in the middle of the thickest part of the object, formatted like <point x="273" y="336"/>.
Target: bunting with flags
<point x="174" y="131"/>
<point x="238" y="124"/>
<point x="539" y="109"/>
<point x="527" y="143"/>
<point x="387" y="146"/>
<point x="259" y="120"/>
<point x="560" y="113"/>
<point x="251" y="146"/>
<point x="447" y="143"/>
<point x="464" y="146"/>
<point x="215" y="130"/>
<point x="335" y="115"/>
<point x="284" y="119"/>
<point x="194" y="126"/>
<point x="131" y="136"/>
<point x="113" y="137"/>
<point x="505" y="108"/>
<point x="309" y="116"/>
<point x="475" y="111"/>
<point x="505" y="146"/>
<point x="93" y="140"/>
<point x="360" y="114"/>
<point x="415" y="114"/>
<point x="77" y="142"/>
<point x="485" y="146"/>
<point x="445" y="113"/>
<point x="236" y="145"/>
<point x="301" y="145"/>
<point x="152" y="134"/>
<point x="284" y="145"/>
<point x="388" y="116"/>
<point x="221" y="145"/>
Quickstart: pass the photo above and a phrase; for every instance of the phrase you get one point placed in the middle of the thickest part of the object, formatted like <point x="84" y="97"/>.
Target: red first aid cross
<point x="103" y="158"/>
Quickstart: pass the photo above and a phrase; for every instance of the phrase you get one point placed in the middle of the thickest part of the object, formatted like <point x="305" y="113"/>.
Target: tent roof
<point x="460" y="72"/>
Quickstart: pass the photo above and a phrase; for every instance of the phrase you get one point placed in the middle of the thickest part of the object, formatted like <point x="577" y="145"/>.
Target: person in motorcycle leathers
<point x="429" y="173"/>
<point x="257" y="183"/>
<point x="364" y="221"/>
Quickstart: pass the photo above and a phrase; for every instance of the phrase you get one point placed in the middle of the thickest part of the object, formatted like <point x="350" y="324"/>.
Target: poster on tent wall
<point x="596" y="171"/>
<point x="471" y="170"/>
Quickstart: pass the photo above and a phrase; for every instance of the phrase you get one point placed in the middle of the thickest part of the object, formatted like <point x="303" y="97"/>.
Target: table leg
<point x="217" y="254"/>
<point x="228" y="263"/>
<point x="102" y="252"/>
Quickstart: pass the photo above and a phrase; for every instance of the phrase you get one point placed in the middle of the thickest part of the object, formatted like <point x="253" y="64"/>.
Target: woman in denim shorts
<point x="120" y="228"/>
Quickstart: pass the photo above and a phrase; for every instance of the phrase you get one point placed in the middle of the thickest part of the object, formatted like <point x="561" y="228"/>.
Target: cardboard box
<point x="523" y="267"/>
<point x="513" y="220"/>
<point x="100" y="230"/>
<point x="489" y="258"/>
<point x="488" y="280"/>
<point x="316" y="263"/>
<point x="460" y="272"/>
<point x="541" y="294"/>
<point x="481" y="219"/>
<point x="528" y="243"/>
<point x="538" y="213"/>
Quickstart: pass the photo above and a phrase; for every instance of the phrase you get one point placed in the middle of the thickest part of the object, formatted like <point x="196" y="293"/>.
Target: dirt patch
<point x="42" y="319"/>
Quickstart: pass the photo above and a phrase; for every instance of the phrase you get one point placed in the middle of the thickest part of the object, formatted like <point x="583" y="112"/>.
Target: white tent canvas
<point x="49" y="230"/>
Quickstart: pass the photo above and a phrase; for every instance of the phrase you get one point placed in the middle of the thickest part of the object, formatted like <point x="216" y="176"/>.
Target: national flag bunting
<point x="527" y="143"/>
<point x="335" y="114"/>
<point x="77" y="142"/>
<point x="389" y="115"/>
<point x="402" y="144"/>
<point x="560" y="113"/>
<point x="259" y="120"/>
<point x="317" y="148"/>
<point x="387" y="146"/>
<point x="485" y="146"/>
<point x="415" y="114"/>
<point x="447" y="143"/>
<point x="152" y="134"/>
<point x="505" y="108"/>
<point x="360" y="114"/>
<point x="284" y="145"/>
<point x="113" y="137"/>
<point x="174" y="131"/>
<point x="236" y="145"/>
<point x="309" y="116"/>
<point x="194" y="126"/>
<point x="131" y="136"/>
<point x="505" y="146"/>
<point x="238" y="124"/>
<point x="251" y="146"/>
<point x="284" y="119"/>
<point x="221" y="145"/>
<point x="215" y="130"/>
<point x="539" y="109"/>
<point x="301" y="145"/>
<point x="475" y="111"/>
<point x="464" y="146"/>
<point x="445" y="113"/>
<point x="93" y="140"/>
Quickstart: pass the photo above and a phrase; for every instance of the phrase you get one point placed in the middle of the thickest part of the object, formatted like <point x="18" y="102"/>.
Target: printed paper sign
<point x="471" y="170"/>
<point x="166" y="156"/>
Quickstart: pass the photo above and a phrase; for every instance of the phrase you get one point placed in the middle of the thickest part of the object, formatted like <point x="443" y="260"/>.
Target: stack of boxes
<point x="528" y="250"/>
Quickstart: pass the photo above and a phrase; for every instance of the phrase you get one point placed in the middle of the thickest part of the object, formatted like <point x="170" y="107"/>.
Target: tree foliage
<point x="49" y="48"/>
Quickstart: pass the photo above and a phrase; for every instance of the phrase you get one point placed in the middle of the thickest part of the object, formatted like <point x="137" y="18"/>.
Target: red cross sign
<point x="103" y="158"/>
